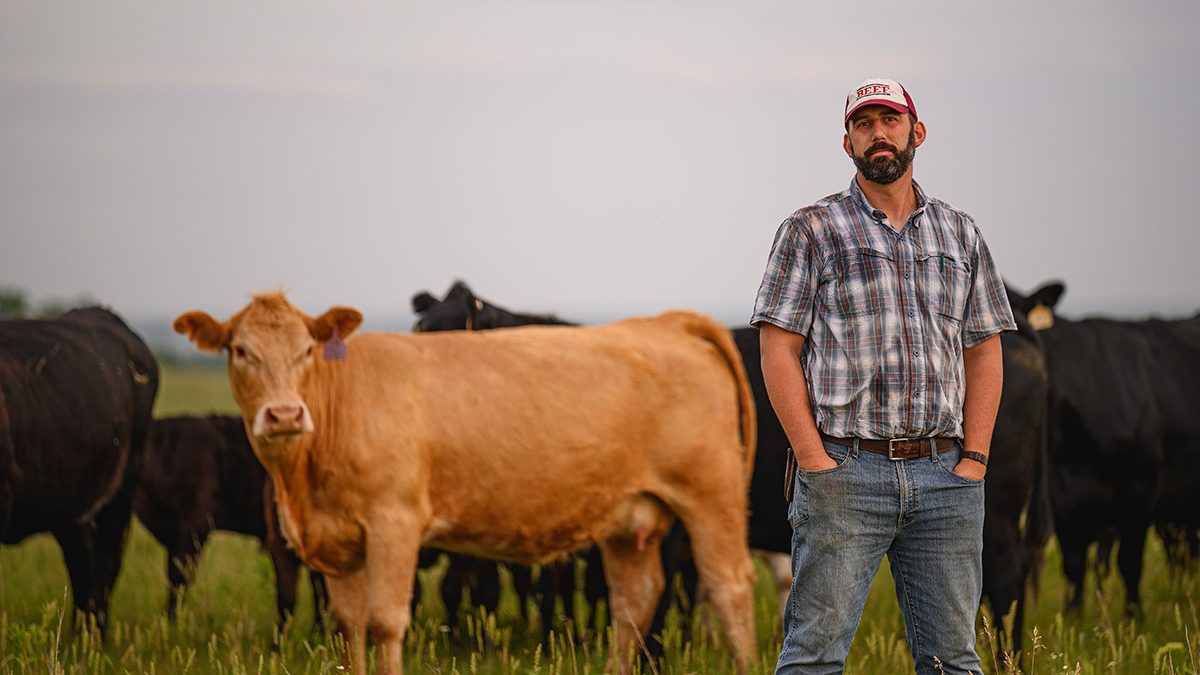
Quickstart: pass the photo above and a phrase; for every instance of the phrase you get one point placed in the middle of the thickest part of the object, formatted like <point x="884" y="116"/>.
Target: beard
<point x="885" y="171"/>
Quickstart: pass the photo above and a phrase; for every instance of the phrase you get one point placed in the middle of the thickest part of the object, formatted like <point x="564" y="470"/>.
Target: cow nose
<point x="283" y="418"/>
<point x="284" y="414"/>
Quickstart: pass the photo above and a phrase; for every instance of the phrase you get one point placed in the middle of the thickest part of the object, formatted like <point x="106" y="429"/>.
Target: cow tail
<point x="1039" y="519"/>
<point x="722" y="339"/>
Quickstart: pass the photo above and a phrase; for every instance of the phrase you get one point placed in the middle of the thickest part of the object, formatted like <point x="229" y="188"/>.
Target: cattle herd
<point x="646" y="447"/>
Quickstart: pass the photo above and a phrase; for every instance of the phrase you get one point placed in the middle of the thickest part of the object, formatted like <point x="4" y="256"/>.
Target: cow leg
<point x="1105" y="543"/>
<point x="287" y="573"/>
<point x="595" y="585"/>
<point x="391" y="569"/>
<point x="286" y="564"/>
<point x="671" y="552"/>
<point x="1005" y="570"/>
<point x="1074" y="562"/>
<point x="633" y="570"/>
<point x="726" y="570"/>
<point x="552" y="582"/>
<point x="459" y="570"/>
<point x="182" y="560"/>
<point x="485" y="587"/>
<point x="1129" y="561"/>
<point x="320" y="596"/>
<point x="348" y="602"/>
<point x="110" y="527"/>
<point x="522" y="578"/>
<point x="78" y="554"/>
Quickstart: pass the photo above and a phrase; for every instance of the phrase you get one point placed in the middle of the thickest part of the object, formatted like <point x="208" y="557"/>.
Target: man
<point x="879" y="315"/>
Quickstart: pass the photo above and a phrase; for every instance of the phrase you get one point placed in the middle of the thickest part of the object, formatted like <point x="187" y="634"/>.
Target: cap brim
<point x="887" y="104"/>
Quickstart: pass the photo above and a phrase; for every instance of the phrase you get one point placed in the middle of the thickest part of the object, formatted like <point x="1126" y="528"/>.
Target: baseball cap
<point x="879" y="91"/>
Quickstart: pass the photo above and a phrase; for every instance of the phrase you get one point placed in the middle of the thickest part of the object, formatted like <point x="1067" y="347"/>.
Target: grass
<point x="227" y="625"/>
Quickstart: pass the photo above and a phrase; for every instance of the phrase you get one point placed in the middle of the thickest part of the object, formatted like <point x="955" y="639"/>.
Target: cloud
<point x="195" y="78"/>
<point x="344" y="49"/>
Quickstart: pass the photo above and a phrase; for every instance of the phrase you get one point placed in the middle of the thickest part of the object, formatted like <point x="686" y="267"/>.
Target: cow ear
<point x="1051" y="293"/>
<point x="344" y="319"/>
<point x="421" y="302"/>
<point x="208" y="334"/>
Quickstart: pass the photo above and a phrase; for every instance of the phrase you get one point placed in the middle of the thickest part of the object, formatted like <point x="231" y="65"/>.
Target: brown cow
<point x="384" y="443"/>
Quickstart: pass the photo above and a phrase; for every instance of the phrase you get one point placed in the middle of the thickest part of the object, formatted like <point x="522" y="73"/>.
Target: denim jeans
<point x="925" y="518"/>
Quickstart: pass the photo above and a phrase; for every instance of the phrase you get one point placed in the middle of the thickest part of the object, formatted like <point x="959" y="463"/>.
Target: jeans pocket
<point x="837" y="452"/>
<point x="806" y="481"/>
<point x="948" y="460"/>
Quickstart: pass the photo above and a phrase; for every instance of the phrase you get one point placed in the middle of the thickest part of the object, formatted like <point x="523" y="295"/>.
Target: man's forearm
<point x="788" y="391"/>
<point x="984" y="374"/>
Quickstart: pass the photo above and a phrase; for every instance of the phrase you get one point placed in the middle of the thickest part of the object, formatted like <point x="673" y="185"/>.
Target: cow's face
<point x="459" y="310"/>
<point x="274" y="350"/>
<point x="1039" y="305"/>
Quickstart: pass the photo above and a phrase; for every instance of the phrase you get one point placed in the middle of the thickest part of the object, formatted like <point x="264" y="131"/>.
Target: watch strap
<point x="977" y="456"/>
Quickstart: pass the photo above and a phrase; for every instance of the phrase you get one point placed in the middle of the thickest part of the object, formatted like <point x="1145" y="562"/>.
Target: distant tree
<point x="12" y="303"/>
<point x="54" y="307"/>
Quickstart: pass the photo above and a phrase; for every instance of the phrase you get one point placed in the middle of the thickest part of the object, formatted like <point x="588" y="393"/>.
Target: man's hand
<point x="814" y="459"/>
<point x="969" y="468"/>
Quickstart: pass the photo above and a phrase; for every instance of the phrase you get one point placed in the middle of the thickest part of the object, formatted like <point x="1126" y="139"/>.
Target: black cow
<point x="201" y="475"/>
<point x="1017" y="474"/>
<point x="461" y="310"/>
<point x="77" y="395"/>
<point x="1124" y="436"/>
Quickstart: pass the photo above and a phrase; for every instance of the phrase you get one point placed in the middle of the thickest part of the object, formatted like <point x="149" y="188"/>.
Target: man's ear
<point x="918" y="134"/>
<point x="847" y="147"/>
<point x="344" y="319"/>
<point x="208" y="334"/>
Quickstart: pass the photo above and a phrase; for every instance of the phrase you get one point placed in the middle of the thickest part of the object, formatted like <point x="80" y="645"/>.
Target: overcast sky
<point x="592" y="159"/>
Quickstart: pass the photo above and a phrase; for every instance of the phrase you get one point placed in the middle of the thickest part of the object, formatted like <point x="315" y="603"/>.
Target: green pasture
<point x="227" y="621"/>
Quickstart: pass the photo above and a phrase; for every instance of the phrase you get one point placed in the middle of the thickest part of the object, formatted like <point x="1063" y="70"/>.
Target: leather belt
<point x="896" y="448"/>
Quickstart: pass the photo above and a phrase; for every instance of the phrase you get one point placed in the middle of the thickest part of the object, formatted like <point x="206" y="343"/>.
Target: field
<point x="227" y="622"/>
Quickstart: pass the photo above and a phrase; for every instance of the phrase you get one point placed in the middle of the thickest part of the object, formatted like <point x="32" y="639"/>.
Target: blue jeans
<point x="925" y="518"/>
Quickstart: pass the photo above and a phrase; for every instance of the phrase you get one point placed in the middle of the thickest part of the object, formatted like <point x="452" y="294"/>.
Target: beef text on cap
<point x="879" y="91"/>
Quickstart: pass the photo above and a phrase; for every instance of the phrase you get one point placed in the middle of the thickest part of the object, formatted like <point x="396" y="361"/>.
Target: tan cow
<point x="522" y="444"/>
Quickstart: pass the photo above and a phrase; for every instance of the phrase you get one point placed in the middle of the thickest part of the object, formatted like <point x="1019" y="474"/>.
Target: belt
<point x="896" y="448"/>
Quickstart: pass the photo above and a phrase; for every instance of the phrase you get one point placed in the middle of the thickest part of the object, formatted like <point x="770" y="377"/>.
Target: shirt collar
<point x="857" y="195"/>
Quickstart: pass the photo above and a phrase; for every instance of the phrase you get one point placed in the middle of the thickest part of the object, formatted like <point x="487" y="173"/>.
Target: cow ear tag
<point x="335" y="348"/>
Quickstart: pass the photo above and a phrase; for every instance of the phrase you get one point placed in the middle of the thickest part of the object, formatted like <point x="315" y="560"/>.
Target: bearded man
<point x="879" y="318"/>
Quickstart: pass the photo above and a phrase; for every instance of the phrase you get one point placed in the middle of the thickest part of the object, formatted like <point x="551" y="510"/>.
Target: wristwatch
<point x="977" y="456"/>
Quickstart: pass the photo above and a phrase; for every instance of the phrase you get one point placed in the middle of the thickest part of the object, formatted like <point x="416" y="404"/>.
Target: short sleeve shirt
<point x="886" y="314"/>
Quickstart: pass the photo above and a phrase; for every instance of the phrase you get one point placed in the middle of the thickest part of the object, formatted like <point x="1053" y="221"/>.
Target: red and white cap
<point x="878" y="91"/>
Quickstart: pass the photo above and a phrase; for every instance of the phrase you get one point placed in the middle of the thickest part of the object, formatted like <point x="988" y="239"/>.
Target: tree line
<point x="15" y="304"/>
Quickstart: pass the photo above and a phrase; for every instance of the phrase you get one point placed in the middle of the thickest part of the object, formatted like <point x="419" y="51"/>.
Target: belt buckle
<point x="892" y="449"/>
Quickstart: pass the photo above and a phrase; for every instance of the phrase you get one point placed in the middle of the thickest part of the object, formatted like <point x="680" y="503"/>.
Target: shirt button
<point x="911" y="313"/>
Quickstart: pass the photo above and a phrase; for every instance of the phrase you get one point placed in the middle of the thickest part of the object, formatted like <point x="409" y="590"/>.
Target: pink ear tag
<point x="335" y="348"/>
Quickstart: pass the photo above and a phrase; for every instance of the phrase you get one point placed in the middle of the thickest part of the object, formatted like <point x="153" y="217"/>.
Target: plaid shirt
<point x="886" y="315"/>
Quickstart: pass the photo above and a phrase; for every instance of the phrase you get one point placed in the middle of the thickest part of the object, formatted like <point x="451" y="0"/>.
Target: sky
<point x="590" y="159"/>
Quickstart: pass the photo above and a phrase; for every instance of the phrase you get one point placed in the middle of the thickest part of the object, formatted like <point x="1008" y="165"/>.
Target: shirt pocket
<point x="861" y="283"/>
<point x="947" y="283"/>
